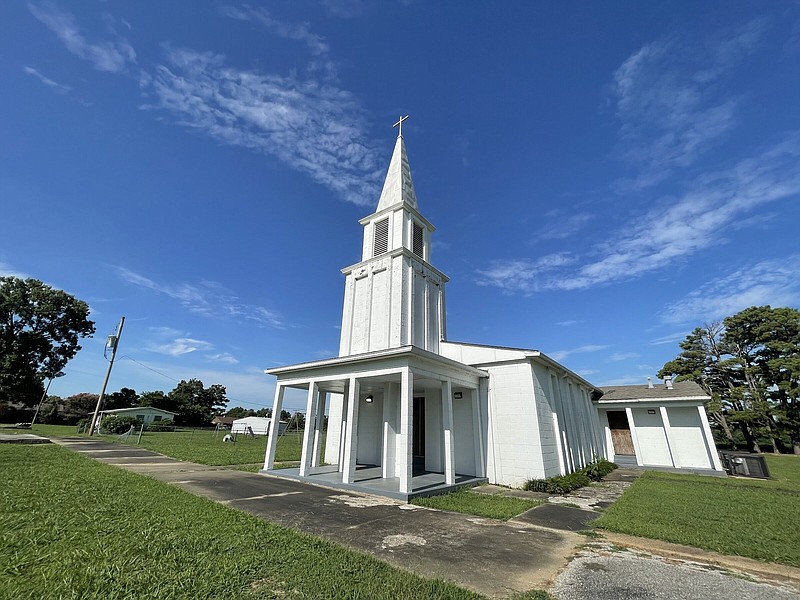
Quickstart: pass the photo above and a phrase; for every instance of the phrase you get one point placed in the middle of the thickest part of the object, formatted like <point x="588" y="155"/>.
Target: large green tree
<point x="39" y="332"/>
<point x="750" y="365"/>
<point x="196" y="404"/>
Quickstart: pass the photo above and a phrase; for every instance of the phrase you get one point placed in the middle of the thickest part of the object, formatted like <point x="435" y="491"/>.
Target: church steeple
<point x="398" y="187"/>
<point x="394" y="297"/>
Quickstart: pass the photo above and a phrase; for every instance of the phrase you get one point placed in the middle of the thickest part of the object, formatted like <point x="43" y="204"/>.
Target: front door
<point x="620" y="433"/>
<point x="418" y="437"/>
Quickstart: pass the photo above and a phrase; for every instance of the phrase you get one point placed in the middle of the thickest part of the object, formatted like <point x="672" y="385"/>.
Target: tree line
<point x="195" y="404"/>
<point x="749" y="363"/>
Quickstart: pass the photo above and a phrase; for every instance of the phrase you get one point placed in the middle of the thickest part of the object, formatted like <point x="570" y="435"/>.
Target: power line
<point x="149" y="368"/>
<point x="230" y="399"/>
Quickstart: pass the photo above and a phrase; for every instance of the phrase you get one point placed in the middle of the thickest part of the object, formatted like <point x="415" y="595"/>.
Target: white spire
<point x="398" y="187"/>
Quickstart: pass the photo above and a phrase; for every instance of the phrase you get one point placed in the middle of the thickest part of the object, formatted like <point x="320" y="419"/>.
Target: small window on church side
<point x="381" y="242"/>
<point x="417" y="240"/>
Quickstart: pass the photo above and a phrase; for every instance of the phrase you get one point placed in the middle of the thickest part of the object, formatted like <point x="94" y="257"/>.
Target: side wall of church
<point x="514" y="444"/>
<point x="569" y="409"/>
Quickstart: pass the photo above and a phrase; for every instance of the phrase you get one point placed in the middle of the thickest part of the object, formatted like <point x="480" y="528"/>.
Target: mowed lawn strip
<point x="482" y="505"/>
<point x="207" y="448"/>
<point x="202" y="446"/>
<point x="74" y="528"/>
<point x="744" y="517"/>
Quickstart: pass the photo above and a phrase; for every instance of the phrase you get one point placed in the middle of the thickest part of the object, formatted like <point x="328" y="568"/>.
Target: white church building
<point x="412" y="413"/>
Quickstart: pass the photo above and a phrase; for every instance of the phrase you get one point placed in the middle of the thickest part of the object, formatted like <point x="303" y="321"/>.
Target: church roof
<point x="681" y="390"/>
<point x="398" y="187"/>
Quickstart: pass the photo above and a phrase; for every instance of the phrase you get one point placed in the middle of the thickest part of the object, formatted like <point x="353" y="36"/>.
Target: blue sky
<point x="604" y="176"/>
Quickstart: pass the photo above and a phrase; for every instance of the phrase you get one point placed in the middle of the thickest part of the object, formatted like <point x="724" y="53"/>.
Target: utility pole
<point x="44" y="397"/>
<point x="113" y="342"/>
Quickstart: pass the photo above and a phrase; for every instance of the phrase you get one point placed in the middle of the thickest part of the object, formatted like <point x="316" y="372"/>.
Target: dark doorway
<point x="418" y="437"/>
<point x="620" y="432"/>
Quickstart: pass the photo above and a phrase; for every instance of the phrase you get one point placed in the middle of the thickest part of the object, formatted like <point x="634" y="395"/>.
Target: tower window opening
<point x="380" y="244"/>
<point x="418" y="240"/>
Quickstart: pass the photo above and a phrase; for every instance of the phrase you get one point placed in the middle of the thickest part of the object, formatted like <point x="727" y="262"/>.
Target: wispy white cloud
<point x="313" y="126"/>
<point x="620" y="356"/>
<point x="58" y="87"/>
<point x="568" y="323"/>
<point x="670" y="338"/>
<point x="308" y="122"/>
<point x="180" y="346"/>
<point x="668" y="101"/>
<point x="562" y="354"/>
<point x="524" y="276"/>
<point x="561" y="226"/>
<point x="296" y="31"/>
<point x="112" y="55"/>
<point x="207" y="298"/>
<point x="6" y="270"/>
<point x="223" y="357"/>
<point x="773" y="282"/>
<point x="670" y="232"/>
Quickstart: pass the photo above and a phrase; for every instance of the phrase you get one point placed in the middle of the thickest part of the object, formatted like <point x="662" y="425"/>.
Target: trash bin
<point x="744" y="464"/>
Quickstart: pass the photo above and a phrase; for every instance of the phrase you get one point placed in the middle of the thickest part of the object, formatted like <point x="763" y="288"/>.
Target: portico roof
<point x="377" y="365"/>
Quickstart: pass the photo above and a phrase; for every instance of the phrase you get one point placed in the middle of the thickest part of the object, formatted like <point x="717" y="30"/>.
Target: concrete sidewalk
<point x="491" y="557"/>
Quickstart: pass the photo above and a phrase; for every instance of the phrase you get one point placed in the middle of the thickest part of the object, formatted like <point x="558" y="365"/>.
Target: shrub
<point x="115" y="424"/>
<point x="560" y="484"/>
<point x="598" y="468"/>
<point x="167" y="425"/>
<point x="563" y="484"/>
<point x="537" y="485"/>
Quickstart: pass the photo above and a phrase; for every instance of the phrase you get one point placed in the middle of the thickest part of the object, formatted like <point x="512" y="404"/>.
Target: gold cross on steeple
<point x="399" y="126"/>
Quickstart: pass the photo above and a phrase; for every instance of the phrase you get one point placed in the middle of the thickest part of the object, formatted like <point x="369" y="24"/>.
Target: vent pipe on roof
<point x="650" y="385"/>
<point x="668" y="382"/>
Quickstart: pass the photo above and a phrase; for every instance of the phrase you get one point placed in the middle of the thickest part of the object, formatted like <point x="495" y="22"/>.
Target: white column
<point x="405" y="460"/>
<point x="308" y="437"/>
<point x="447" y="432"/>
<point x="351" y="441"/>
<point x="634" y="437"/>
<point x="708" y="438"/>
<point x="477" y="433"/>
<point x="389" y="429"/>
<point x="668" y="434"/>
<point x="343" y="430"/>
<point x="272" y="440"/>
<point x="318" y="423"/>
<point x="559" y="446"/>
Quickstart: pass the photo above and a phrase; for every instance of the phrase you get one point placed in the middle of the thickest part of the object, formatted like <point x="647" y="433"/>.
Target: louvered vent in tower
<point x="417" y="240"/>
<point x="381" y="242"/>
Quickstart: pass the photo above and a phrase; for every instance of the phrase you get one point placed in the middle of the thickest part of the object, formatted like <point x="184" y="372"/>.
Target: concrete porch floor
<point x="369" y="480"/>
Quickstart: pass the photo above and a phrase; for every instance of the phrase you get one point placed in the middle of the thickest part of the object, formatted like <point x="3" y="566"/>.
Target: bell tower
<point x="394" y="297"/>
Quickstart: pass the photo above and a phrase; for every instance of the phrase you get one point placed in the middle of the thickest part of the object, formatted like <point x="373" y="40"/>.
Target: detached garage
<point x="256" y="426"/>
<point x="658" y="426"/>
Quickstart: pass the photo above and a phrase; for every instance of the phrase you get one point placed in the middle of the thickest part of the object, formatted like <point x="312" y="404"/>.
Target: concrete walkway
<point x="490" y="557"/>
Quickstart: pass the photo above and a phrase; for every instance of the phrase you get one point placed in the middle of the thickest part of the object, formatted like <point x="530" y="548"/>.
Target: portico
<point x="403" y="415"/>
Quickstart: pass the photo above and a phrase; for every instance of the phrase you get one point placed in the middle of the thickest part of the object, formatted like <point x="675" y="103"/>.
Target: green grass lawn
<point x="199" y="446"/>
<point x="74" y="528"/>
<point x="207" y="448"/>
<point x="745" y="517"/>
<point x="482" y="505"/>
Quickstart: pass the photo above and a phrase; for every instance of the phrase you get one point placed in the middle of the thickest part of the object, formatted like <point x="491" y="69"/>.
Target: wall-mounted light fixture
<point x="458" y="395"/>
<point x="369" y="399"/>
<point x="651" y="411"/>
